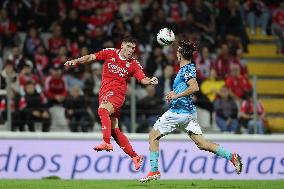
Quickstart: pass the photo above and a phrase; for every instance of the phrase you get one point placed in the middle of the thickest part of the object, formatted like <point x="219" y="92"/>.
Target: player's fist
<point x="70" y="63"/>
<point x="171" y="96"/>
<point x="154" y="81"/>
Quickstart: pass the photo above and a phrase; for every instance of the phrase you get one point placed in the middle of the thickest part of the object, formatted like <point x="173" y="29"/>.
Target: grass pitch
<point x="133" y="184"/>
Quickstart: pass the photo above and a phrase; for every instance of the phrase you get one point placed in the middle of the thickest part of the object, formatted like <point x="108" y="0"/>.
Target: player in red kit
<point x="119" y="66"/>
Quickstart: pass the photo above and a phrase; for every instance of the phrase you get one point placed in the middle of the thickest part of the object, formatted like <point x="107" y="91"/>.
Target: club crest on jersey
<point x="113" y="59"/>
<point x="127" y="64"/>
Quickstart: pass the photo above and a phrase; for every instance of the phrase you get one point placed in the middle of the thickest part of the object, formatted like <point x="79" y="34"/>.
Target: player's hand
<point x="154" y="81"/>
<point x="171" y="96"/>
<point x="36" y="113"/>
<point x="70" y="63"/>
<point x="45" y="114"/>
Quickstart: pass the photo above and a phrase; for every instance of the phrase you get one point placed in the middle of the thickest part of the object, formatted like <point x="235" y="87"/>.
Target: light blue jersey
<point x="183" y="105"/>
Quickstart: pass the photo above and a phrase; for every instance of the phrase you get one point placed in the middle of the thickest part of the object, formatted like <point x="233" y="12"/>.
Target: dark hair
<point x="248" y="94"/>
<point x="186" y="49"/>
<point x="130" y="39"/>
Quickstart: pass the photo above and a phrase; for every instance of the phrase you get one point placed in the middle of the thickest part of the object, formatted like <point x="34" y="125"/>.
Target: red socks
<point x="123" y="142"/>
<point x="118" y="136"/>
<point x="106" y="124"/>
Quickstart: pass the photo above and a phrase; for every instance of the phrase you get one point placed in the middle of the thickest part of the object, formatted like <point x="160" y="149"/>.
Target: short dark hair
<point x="186" y="49"/>
<point x="248" y="94"/>
<point x="130" y="39"/>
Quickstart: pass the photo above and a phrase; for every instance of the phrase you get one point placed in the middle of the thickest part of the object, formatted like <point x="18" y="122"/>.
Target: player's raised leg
<point x="206" y="145"/>
<point x="124" y="143"/>
<point x="154" y="173"/>
<point x="104" y="111"/>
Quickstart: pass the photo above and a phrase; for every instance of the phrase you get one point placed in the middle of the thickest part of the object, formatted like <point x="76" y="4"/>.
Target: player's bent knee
<point x="151" y="136"/>
<point x="107" y="105"/>
<point x="103" y="112"/>
<point x="154" y="134"/>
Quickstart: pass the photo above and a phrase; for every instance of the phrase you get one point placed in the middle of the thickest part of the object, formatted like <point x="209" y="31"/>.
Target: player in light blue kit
<point x="182" y="114"/>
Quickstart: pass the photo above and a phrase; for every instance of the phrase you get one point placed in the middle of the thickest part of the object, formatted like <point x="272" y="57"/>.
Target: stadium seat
<point x="266" y="50"/>
<point x="203" y="118"/>
<point x="263" y="49"/>
<point x="266" y="69"/>
<point x="276" y="124"/>
<point x="259" y="37"/>
<point x="268" y="38"/>
<point x="273" y="105"/>
<point x="58" y="121"/>
<point x="270" y="87"/>
<point x="270" y="56"/>
<point x="45" y="37"/>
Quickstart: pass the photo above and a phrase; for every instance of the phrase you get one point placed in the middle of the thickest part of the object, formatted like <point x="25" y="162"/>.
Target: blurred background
<point x="240" y="62"/>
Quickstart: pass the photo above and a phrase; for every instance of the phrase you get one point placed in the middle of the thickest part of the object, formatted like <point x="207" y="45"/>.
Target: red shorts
<point x="116" y="98"/>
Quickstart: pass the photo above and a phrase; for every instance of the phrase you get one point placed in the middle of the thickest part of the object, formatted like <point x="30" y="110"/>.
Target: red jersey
<point x="55" y="86"/>
<point x="117" y="71"/>
<point x="238" y="85"/>
<point x="221" y="66"/>
<point x="55" y="43"/>
<point x="247" y="107"/>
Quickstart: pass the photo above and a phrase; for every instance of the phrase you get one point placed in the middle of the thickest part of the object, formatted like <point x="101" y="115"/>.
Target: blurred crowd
<point x="38" y="36"/>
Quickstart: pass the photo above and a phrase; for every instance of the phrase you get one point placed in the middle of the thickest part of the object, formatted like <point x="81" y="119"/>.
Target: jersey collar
<point x="120" y="56"/>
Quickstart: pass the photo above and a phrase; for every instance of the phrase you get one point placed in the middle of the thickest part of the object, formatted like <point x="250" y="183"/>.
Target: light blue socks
<point x="223" y="153"/>
<point x="154" y="161"/>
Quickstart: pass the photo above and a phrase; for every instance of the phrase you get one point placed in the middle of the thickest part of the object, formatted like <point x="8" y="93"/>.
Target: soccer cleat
<point x="237" y="162"/>
<point x="151" y="176"/>
<point x="104" y="146"/>
<point x="137" y="160"/>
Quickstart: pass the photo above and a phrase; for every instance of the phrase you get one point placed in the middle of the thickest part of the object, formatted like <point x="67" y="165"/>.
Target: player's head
<point x="185" y="50"/>
<point x="128" y="46"/>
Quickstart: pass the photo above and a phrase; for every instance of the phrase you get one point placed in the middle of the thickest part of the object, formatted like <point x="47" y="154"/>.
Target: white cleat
<point x="151" y="176"/>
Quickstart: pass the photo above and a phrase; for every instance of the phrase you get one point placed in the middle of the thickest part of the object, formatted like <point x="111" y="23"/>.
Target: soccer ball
<point x="165" y="36"/>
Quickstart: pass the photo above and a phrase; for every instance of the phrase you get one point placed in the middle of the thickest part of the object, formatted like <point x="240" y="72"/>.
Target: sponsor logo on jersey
<point x="117" y="70"/>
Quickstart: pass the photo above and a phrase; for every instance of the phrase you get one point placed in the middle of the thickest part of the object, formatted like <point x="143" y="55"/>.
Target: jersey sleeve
<point x="188" y="73"/>
<point x="138" y="72"/>
<point x="103" y="54"/>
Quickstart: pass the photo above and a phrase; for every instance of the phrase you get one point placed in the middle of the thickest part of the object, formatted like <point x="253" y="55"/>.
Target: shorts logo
<point x="104" y="128"/>
<point x="109" y="94"/>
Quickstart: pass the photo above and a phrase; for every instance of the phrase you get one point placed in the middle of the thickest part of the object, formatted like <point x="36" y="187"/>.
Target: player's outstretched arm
<point x="148" y="81"/>
<point x="81" y="60"/>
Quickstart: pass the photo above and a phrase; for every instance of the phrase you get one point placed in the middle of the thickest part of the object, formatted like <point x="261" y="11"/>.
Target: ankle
<point x="107" y="140"/>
